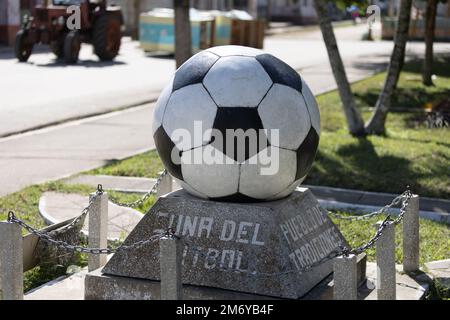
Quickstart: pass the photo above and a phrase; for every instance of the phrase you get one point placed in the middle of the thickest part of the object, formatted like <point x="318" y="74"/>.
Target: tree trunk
<point x="370" y="30"/>
<point x="183" y="48"/>
<point x="268" y="13"/>
<point x="430" y="26"/>
<point x="355" y="122"/>
<point x="253" y="8"/>
<point x="137" y="13"/>
<point x="376" y="124"/>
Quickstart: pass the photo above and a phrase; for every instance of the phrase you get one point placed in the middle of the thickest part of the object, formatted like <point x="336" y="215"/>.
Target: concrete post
<point x="345" y="278"/>
<point x="11" y="261"/>
<point x="165" y="185"/>
<point x="385" y="253"/>
<point x="98" y="230"/>
<point x="411" y="236"/>
<point x="170" y="264"/>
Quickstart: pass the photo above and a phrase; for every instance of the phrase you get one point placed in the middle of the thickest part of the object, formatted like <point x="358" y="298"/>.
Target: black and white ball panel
<point x="237" y="81"/>
<point x="166" y="150"/>
<point x="239" y="118"/>
<point x="284" y="109"/>
<point x="313" y="108"/>
<point x="160" y="106"/>
<point x="224" y="51"/>
<point x="194" y="70"/>
<point x="306" y="153"/>
<point x="288" y="190"/>
<point x="255" y="184"/>
<point x="234" y="87"/>
<point x="218" y="178"/>
<point x="178" y="116"/>
<point x="190" y="189"/>
<point x="280" y="72"/>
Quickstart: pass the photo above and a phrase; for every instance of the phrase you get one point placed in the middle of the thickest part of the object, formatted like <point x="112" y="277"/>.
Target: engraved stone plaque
<point x="254" y="248"/>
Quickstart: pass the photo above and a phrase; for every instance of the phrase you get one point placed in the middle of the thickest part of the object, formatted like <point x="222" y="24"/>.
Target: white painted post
<point x="98" y="230"/>
<point x="385" y="253"/>
<point x="411" y="236"/>
<point x="345" y="278"/>
<point x="11" y="261"/>
<point x="165" y="186"/>
<point x="170" y="252"/>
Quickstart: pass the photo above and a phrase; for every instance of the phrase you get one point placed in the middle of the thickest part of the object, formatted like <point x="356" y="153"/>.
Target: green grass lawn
<point x="410" y="154"/>
<point x="434" y="237"/>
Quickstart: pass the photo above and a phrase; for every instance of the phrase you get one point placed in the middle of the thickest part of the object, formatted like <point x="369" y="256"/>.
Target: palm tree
<point x="355" y="122"/>
<point x="376" y="124"/>
<point x="430" y="26"/>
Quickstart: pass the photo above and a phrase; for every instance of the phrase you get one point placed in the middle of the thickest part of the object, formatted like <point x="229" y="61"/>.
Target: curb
<point x="359" y="201"/>
<point x="152" y="99"/>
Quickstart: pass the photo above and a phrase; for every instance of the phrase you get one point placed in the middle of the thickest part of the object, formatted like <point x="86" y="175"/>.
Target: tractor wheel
<point x="72" y="47"/>
<point x="23" y="47"/>
<point x="107" y="36"/>
<point x="57" y="47"/>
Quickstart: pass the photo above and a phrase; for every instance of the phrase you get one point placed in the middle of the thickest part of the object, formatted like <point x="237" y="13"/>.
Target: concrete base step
<point x="72" y="287"/>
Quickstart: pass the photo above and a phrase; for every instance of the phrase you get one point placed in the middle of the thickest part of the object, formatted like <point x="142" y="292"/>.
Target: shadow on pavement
<point x="159" y="55"/>
<point x="81" y="63"/>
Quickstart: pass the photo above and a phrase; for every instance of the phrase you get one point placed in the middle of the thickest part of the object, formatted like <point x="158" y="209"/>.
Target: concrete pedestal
<point x="256" y="249"/>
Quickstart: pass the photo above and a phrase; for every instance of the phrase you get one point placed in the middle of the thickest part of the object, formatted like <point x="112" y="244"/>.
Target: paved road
<point x="43" y="92"/>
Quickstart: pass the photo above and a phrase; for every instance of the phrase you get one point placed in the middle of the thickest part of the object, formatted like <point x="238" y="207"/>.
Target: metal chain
<point x="83" y="214"/>
<point x="407" y="195"/>
<point x="44" y="236"/>
<point x="394" y="202"/>
<point x="342" y="250"/>
<point x="333" y="254"/>
<point x="138" y="202"/>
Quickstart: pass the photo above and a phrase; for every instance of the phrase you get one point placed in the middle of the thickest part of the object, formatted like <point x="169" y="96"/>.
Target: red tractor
<point x="99" y="24"/>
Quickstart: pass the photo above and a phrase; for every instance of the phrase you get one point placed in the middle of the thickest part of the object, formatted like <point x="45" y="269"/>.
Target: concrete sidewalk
<point x="64" y="150"/>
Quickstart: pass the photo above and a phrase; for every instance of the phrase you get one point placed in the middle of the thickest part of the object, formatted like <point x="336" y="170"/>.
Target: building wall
<point x="300" y="12"/>
<point x="9" y="20"/>
<point x="129" y="12"/>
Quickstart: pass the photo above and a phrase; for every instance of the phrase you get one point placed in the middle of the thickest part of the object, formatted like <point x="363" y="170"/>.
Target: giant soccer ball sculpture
<point x="222" y="95"/>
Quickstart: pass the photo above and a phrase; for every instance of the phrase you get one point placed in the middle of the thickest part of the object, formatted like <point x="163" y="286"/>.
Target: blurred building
<point x="417" y="25"/>
<point x="11" y="13"/>
<point x="9" y="20"/>
<point x="299" y="12"/>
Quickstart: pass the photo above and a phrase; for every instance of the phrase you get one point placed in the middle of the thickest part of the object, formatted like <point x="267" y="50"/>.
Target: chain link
<point x="342" y="250"/>
<point x="138" y="202"/>
<point x="80" y="219"/>
<point x="46" y="237"/>
<point x="407" y="195"/>
<point x="383" y="210"/>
